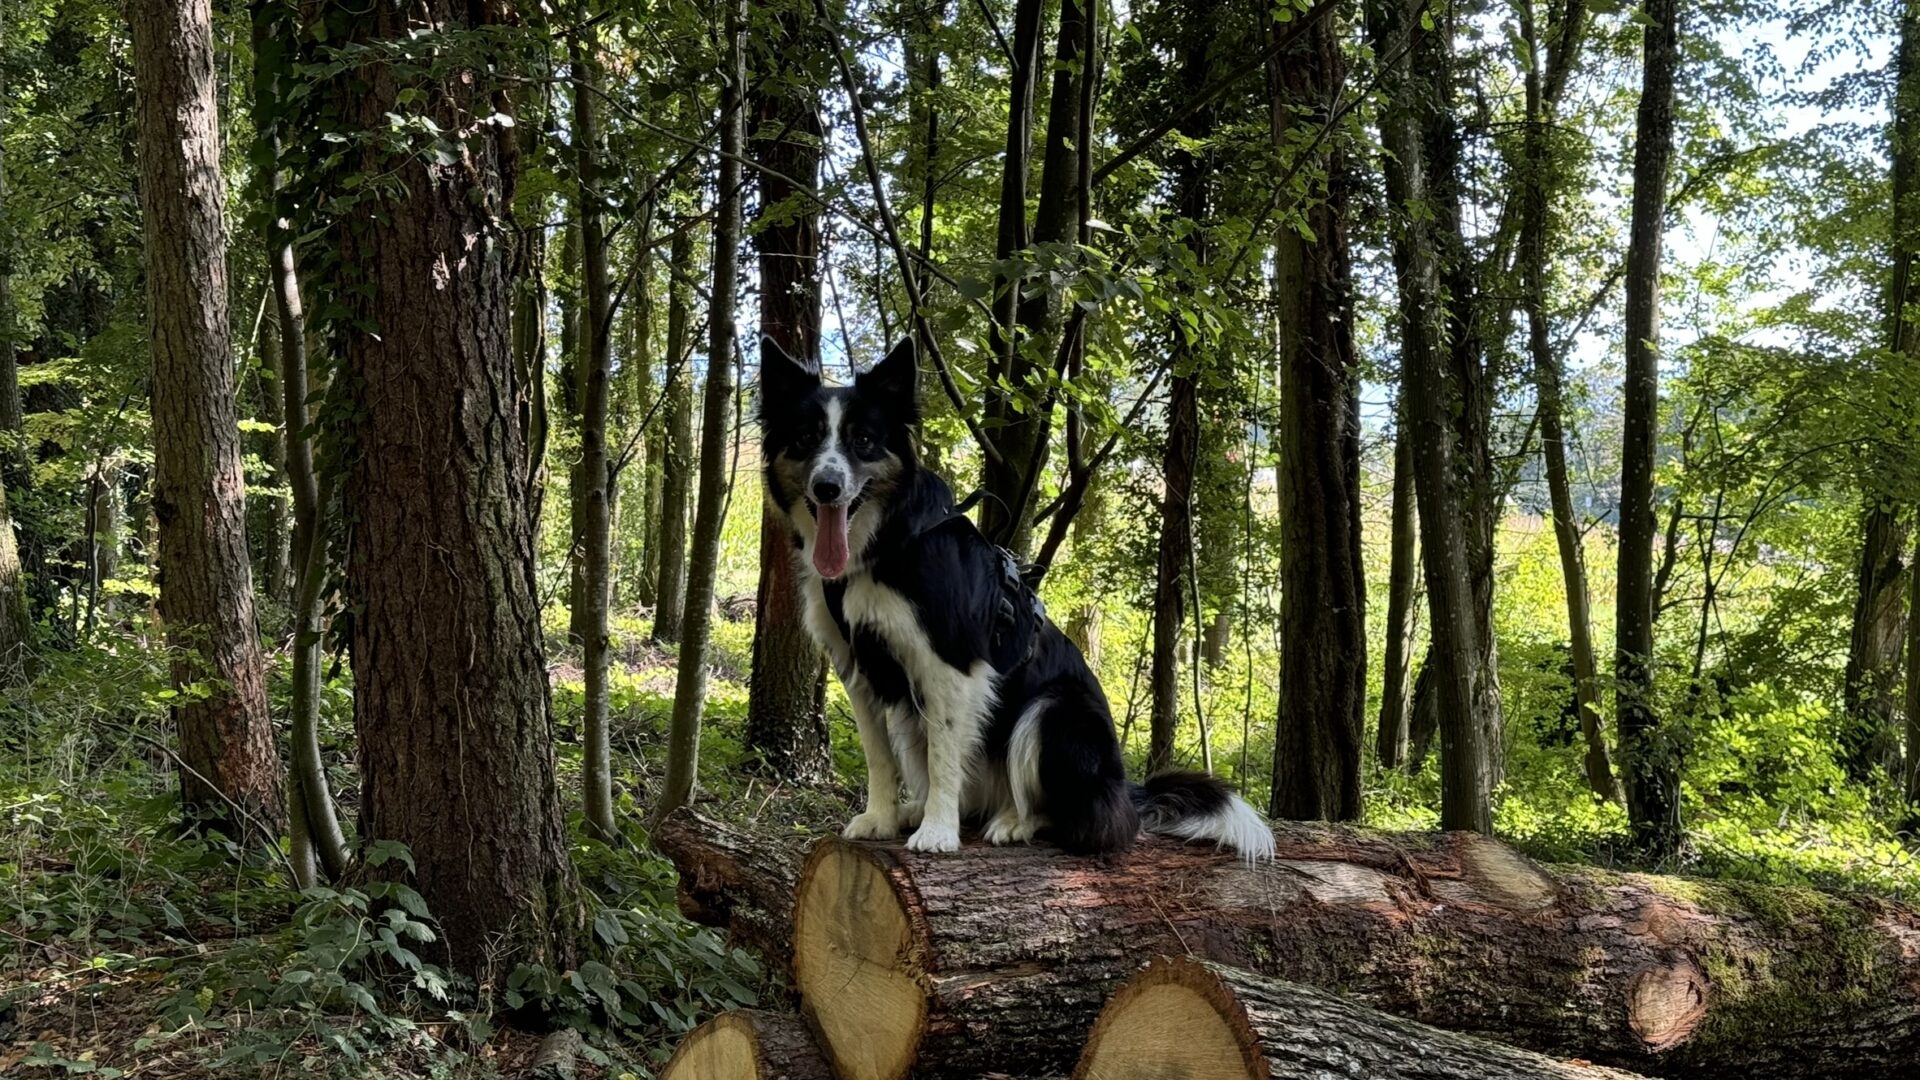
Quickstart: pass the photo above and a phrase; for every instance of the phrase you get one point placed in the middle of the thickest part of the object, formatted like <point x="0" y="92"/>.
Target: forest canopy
<point x="1482" y="415"/>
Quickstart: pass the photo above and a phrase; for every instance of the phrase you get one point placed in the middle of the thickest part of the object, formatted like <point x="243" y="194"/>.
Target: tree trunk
<point x="1872" y="689"/>
<point x="899" y="971"/>
<point x="269" y="531"/>
<point x="592" y="498"/>
<point x="1403" y="572"/>
<point x="748" y="1044"/>
<point x="1913" y="701"/>
<point x="1540" y="183"/>
<point x="1013" y="432"/>
<point x="676" y="446"/>
<point x="1183" y="1017"/>
<point x="1180" y="457"/>
<point x="451" y="704"/>
<point x="313" y="818"/>
<point x="1652" y="768"/>
<point x="716" y="425"/>
<point x="206" y="584"/>
<point x="16" y="614"/>
<point x="786" y="721"/>
<point x="1465" y="693"/>
<point x="1323" y="632"/>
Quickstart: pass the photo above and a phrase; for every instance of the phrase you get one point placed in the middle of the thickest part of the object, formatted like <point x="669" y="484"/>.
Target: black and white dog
<point x="961" y="687"/>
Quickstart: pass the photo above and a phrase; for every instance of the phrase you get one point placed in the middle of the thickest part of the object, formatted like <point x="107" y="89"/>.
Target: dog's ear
<point x="895" y="380"/>
<point x="783" y="379"/>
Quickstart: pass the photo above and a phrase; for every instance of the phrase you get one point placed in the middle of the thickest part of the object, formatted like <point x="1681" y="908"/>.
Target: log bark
<point x="997" y="959"/>
<point x="748" y="1044"/>
<point x="739" y="880"/>
<point x="1184" y="1017"/>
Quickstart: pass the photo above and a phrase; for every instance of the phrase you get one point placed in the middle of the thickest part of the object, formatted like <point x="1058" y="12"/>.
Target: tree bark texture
<point x="270" y="525"/>
<point x="1465" y="693"/>
<point x="206" y="582"/>
<point x="451" y="704"/>
<point x="703" y="563"/>
<point x="1880" y="613"/>
<point x="786" y="720"/>
<point x="1013" y="431"/>
<point x="1185" y="1017"/>
<point x="1323" y="633"/>
<point x="1180" y="458"/>
<point x="1649" y="755"/>
<point x="1540" y="183"/>
<point x="996" y="959"/>
<point x="1403" y="572"/>
<point x="748" y="1044"/>
<point x="676" y="446"/>
<point x="593" y="495"/>
<point x="738" y="879"/>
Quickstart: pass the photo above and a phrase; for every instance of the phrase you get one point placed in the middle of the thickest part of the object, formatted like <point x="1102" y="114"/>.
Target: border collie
<point x="962" y="689"/>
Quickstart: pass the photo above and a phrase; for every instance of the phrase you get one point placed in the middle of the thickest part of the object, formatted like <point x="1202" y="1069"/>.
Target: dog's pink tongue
<point x="830" y="541"/>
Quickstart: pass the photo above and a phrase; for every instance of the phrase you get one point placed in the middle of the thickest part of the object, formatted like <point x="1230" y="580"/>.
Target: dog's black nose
<point x="826" y="491"/>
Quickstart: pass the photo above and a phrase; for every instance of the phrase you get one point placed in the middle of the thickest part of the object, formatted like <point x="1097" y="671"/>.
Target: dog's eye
<point x="862" y="443"/>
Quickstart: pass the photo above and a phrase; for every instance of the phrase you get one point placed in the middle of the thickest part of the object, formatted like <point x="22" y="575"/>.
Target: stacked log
<point x="996" y="961"/>
<point x="748" y="1044"/>
<point x="1195" y="1018"/>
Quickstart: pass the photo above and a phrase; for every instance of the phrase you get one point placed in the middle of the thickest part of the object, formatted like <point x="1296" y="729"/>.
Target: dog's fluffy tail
<point x="1195" y="806"/>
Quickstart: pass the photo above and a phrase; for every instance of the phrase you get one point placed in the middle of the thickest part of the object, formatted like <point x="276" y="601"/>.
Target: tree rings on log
<point x="748" y="1044"/>
<point x="1192" y="1018"/>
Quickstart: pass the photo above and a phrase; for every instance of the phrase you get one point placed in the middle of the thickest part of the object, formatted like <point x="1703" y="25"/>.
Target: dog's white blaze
<point x="832" y="455"/>
<point x="1235" y="825"/>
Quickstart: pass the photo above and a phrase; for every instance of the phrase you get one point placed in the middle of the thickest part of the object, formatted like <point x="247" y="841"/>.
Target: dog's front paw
<point x="934" y="836"/>
<point x="872" y="826"/>
<point x="1008" y="827"/>
<point x="912" y="811"/>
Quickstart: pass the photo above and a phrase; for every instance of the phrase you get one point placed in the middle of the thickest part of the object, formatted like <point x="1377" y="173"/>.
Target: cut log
<point x="738" y="880"/>
<point x="997" y="959"/>
<point x="1196" y="1018"/>
<point x="748" y="1044"/>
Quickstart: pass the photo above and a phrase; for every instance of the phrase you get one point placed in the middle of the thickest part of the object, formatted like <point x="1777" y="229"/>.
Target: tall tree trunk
<point x="16" y="617"/>
<point x="1540" y="183"/>
<point x="676" y="446"/>
<point x="316" y="833"/>
<point x="1463" y="687"/>
<point x="786" y="721"/>
<point x="572" y="311"/>
<point x="717" y="411"/>
<point x="1880" y="614"/>
<point x="1181" y="455"/>
<point x="15" y="467"/>
<point x="1323" y="605"/>
<point x="206" y="584"/>
<point x="269" y="531"/>
<point x="1913" y="701"/>
<point x="1010" y="426"/>
<point x="592" y="498"/>
<point x="451" y="703"/>
<point x="1403" y="572"/>
<point x="1649" y="754"/>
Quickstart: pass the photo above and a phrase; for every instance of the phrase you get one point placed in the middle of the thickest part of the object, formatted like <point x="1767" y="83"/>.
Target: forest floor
<point x="130" y="950"/>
